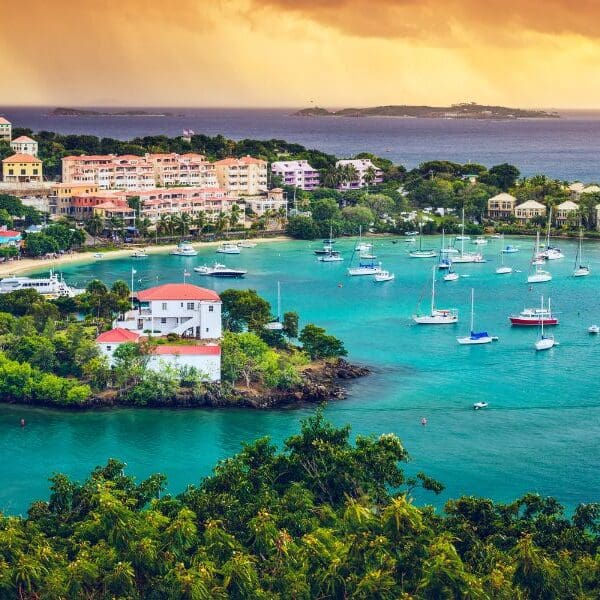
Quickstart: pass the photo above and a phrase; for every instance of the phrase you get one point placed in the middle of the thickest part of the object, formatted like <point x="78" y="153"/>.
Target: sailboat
<point x="580" y="269"/>
<point x="503" y="269"/>
<point x="362" y="246"/>
<point x="437" y="316"/>
<point x="276" y="325"/>
<point x="466" y="257"/>
<point x="328" y="254"/>
<point x="368" y="253"/>
<point x="447" y="249"/>
<point x="544" y="342"/>
<point x="420" y="253"/>
<point x="475" y="337"/>
<point x="539" y="275"/>
<point x="551" y="252"/>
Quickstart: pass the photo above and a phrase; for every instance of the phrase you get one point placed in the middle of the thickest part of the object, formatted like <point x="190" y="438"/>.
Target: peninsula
<point x="468" y="110"/>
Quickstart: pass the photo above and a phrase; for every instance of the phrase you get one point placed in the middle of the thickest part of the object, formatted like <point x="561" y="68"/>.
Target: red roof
<point x="9" y="233"/>
<point x="4" y="121"/>
<point x="177" y="291"/>
<point x="22" y="158"/>
<point x="188" y="350"/>
<point x="118" y="335"/>
<point x="22" y="139"/>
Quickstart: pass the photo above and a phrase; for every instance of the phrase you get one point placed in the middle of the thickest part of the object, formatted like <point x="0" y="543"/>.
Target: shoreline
<point x="27" y="265"/>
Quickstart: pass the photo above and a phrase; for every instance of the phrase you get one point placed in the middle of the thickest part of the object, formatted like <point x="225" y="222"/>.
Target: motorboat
<point x="411" y="233"/>
<point x="365" y="269"/>
<point x="219" y="270"/>
<point x="510" y="249"/>
<point x="184" y="249"/>
<point x="332" y="256"/>
<point x="52" y="286"/>
<point x="545" y="342"/>
<point x="384" y="276"/>
<point x="451" y="276"/>
<point x="593" y="329"/>
<point x="228" y="248"/>
<point x="480" y="405"/>
<point x="530" y="317"/>
<point x="436" y="316"/>
<point x="141" y="253"/>
<point x="246" y="244"/>
<point x="475" y="337"/>
<point x="480" y="240"/>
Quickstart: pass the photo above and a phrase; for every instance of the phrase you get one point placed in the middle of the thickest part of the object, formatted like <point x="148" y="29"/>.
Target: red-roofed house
<point x="8" y="236"/>
<point x="21" y="168"/>
<point x="5" y="130"/>
<point x="180" y="308"/>
<point x="246" y="176"/>
<point x="24" y="145"/>
<point x="109" y="341"/>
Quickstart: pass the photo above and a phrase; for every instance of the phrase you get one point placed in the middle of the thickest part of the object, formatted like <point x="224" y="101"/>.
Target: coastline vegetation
<point x="322" y="517"/>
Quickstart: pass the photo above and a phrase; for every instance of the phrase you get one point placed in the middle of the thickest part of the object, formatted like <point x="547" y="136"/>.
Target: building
<point x="366" y="173"/>
<point x="180" y="308"/>
<point x="274" y="201"/>
<point x="566" y="212"/>
<point x="591" y="189"/>
<point x="24" y="145"/>
<point x="112" y="210"/>
<point x="501" y="206"/>
<point x="297" y="173"/>
<point x="21" y="168"/>
<point x="5" y="130"/>
<point x="62" y="194"/>
<point x="185" y="169"/>
<point x="82" y="205"/>
<point x="8" y="237"/>
<point x="529" y="210"/>
<point x="206" y="359"/>
<point x="247" y="176"/>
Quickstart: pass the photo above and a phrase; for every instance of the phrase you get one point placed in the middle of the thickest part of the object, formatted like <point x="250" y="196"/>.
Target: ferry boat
<point x="219" y="270"/>
<point x="184" y="249"/>
<point x="52" y="286"/>
<point x="228" y="248"/>
<point x="533" y="317"/>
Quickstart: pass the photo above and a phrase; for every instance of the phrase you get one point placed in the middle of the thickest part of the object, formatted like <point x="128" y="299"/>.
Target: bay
<point x="539" y="433"/>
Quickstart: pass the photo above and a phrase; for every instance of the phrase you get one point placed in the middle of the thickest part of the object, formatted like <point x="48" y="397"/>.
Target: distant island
<point x="468" y="110"/>
<point x="84" y="112"/>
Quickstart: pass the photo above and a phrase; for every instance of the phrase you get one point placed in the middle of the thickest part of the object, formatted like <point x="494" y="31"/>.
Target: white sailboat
<point x="466" y="257"/>
<point x="544" y="342"/>
<point x="437" y="316"/>
<point x="447" y="249"/>
<point x="503" y="269"/>
<point x="551" y="252"/>
<point x="362" y="246"/>
<point x="420" y="253"/>
<point x="383" y="276"/>
<point x="539" y="275"/>
<point x="581" y="269"/>
<point x="276" y="325"/>
<point x="475" y="337"/>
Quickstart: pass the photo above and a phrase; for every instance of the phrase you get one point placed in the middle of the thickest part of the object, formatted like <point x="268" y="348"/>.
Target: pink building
<point x="364" y="170"/>
<point x="185" y="169"/>
<point x="297" y="173"/>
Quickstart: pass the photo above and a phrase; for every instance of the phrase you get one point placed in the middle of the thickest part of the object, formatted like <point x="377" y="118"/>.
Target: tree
<point x="317" y="344"/>
<point x="290" y="324"/>
<point x="302" y="227"/>
<point x="243" y="309"/>
<point x="502" y="176"/>
<point x="358" y="216"/>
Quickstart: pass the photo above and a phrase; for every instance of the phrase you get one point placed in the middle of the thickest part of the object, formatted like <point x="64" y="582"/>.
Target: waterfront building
<point x="180" y="308"/>
<point x="62" y="194"/>
<point x="82" y="205"/>
<point x="501" y="206"/>
<point x="247" y="176"/>
<point x="24" y="145"/>
<point x="591" y="189"/>
<point x="566" y="212"/>
<point x="115" y="210"/>
<point x="297" y="173"/>
<point x="21" y="168"/>
<point x="9" y="237"/>
<point x="5" y="130"/>
<point x="186" y="169"/>
<point x="529" y="210"/>
<point x="274" y="201"/>
<point x="364" y="169"/>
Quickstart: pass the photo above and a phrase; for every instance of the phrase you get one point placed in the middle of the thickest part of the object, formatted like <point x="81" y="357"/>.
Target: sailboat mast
<point x="472" y="304"/>
<point x="279" y="301"/>
<point x="542" y="316"/>
<point x="462" y="236"/>
<point x="433" y="291"/>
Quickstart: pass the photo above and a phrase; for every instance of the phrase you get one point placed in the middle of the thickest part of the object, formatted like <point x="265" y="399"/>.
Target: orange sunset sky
<point x="293" y="52"/>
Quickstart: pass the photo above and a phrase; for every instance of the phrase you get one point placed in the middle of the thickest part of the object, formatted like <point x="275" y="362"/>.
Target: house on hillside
<point x="527" y="211"/>
<point x="22" y="168"/>
<point x="501" y="206"/>
<point x="565" y="212"/>
<point x="24" y="145"/>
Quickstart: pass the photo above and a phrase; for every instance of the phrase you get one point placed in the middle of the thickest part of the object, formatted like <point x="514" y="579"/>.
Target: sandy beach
<point x="27" y="265"/>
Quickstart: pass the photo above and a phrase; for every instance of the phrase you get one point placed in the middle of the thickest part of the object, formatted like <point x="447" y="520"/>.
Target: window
<point x="163" y="320"/>
<point x="164" y="306"/>
<point x="190" y="306"/>
<point x="211" y="308"/>
<point x="109" y="348"/>
<point x="23" y="172"/>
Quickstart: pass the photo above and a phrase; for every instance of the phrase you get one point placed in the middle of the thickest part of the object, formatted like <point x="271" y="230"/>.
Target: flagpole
<point x="132" y="274"/>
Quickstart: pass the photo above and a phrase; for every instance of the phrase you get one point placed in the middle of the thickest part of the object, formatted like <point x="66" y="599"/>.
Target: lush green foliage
<point x="323" y="518"/>
<point x="318" y="344"/>
<point x="57" y="237"/>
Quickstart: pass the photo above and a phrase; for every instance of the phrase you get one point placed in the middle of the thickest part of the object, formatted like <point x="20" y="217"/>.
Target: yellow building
<point x="247" y="176"/>
<point x="22" y="168"/>
<point x="62" y="195"/>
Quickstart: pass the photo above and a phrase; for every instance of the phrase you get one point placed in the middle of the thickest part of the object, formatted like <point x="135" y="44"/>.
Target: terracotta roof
<point x="245" y="160"/>
<point x="22" y="139"/>
<point x="117" y="335"/>
<point x="4" y="121"/>
<point x="114" y="204"/>
<point x="177" y="291"/>
<point x="187" y="350"/>
<point x="21" y="158"/>
<point x="9" y="233"/>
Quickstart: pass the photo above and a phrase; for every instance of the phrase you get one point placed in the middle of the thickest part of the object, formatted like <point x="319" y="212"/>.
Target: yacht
<point x="140" y="253"/>
<point x="580" y="269"/>
<point x="593" y="329"/>
<point x="466" y="257"/>
<point x="228" y="248"/>
<point x="365" y="269"/>
<point x="539" y="275"/>
<point x="384" y="276"/>
<point x="52" y="286"/>
<point x="436" y="316"/>
<point x="219" y="270"/>
<point x="331" y="256"/>
<point x="510" y="249"/>
<point x="420" y="253"/>
<point x="480" y="240"/>
<point x="503" y="269"/>
<point x="184" y="249"/>
<point x="246" y="244"/>
<point x="530" y="317"/>
<point x="451" y="276"/>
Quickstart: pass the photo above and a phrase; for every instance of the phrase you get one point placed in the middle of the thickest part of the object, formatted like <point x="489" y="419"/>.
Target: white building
<point x="297" y="173"/>
<point x="24" y="145"/>
<point x="565" y="212"/>
<point x="109" y="341"/>
<point x="363" y="167"/>
<point x="180" y="308"/>
<point x="5" y="130"/>
<point x="275" y="200"/>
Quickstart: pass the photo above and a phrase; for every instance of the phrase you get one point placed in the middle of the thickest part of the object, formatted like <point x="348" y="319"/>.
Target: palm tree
<point x="221" y="222"/>
<point x="349" y="174"/>
<point x="234" y="216"/>
<point x="163" y="226"/>
<point x="95" y="226"/>
<point x="369" y="177"/>
<point x="333" y="177"/>
<point x="182" y="223"/>
<point x="200" y="222"/>
<point x="115" y="224"/>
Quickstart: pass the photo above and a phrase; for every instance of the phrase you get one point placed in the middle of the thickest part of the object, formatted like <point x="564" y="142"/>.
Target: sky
<point x="332" y="53"/>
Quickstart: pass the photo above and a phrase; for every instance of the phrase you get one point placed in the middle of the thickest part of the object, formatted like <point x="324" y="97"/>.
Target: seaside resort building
<point x="22" y="168"/>
<point x="566" y="212"/>
<point x="297" y="173"/>
<point x="529" y="210"/>
<point x="501" y="206"/>
<point x="363" y="166"/>
<point x="5" y="130"/>
<point x="247" y="176"/>
<point x="24" y="145"/>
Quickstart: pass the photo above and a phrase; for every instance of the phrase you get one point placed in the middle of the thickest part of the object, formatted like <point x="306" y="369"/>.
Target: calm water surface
<point x="540" y="432"/>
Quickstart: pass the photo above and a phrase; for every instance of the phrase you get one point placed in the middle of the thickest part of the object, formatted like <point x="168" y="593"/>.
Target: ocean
<point x="565" y="148"/>
<point x="540" y="432"/>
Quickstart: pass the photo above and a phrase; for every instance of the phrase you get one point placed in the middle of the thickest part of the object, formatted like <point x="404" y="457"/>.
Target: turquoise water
<point x="540" y="432"/>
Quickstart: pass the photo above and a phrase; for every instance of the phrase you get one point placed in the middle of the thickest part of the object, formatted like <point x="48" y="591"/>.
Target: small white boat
<point x="437" y="316"/>
<point x="462" y="238"/>
<point x="420" y="253"/>
<point x="510" y="249"/>
<point x="139" y="254"/>
<point x="277" y="324"/>
<point x="365" y="269"/>
<point x="410" y="240"/>
<point x="553" y="254"/>
<point x="184" y="249"/>
<point x="246" y="244"/>
<point x="333" y="256"/>
<point x="480" y="240"/>
<point x="475" y="337"/>
<point x="219" y="270"/>
<point x="384" y="276"/>
<point x="228" y="248"/>
<point x="478" y="405"/>
<point x="580" y="270"/>
<point x="539" y="275"/>
<point x="545" y="342"/>
<point x="447" y="249"/>
<point x="412" y="233"/>
<point x="367" y="256"/>
<point x="503" y="269"/>
<point x="451" y="276"/>
<point x="98" y="255"/>
<point x="593" y="329"/>
<point x="495" y="236"/>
